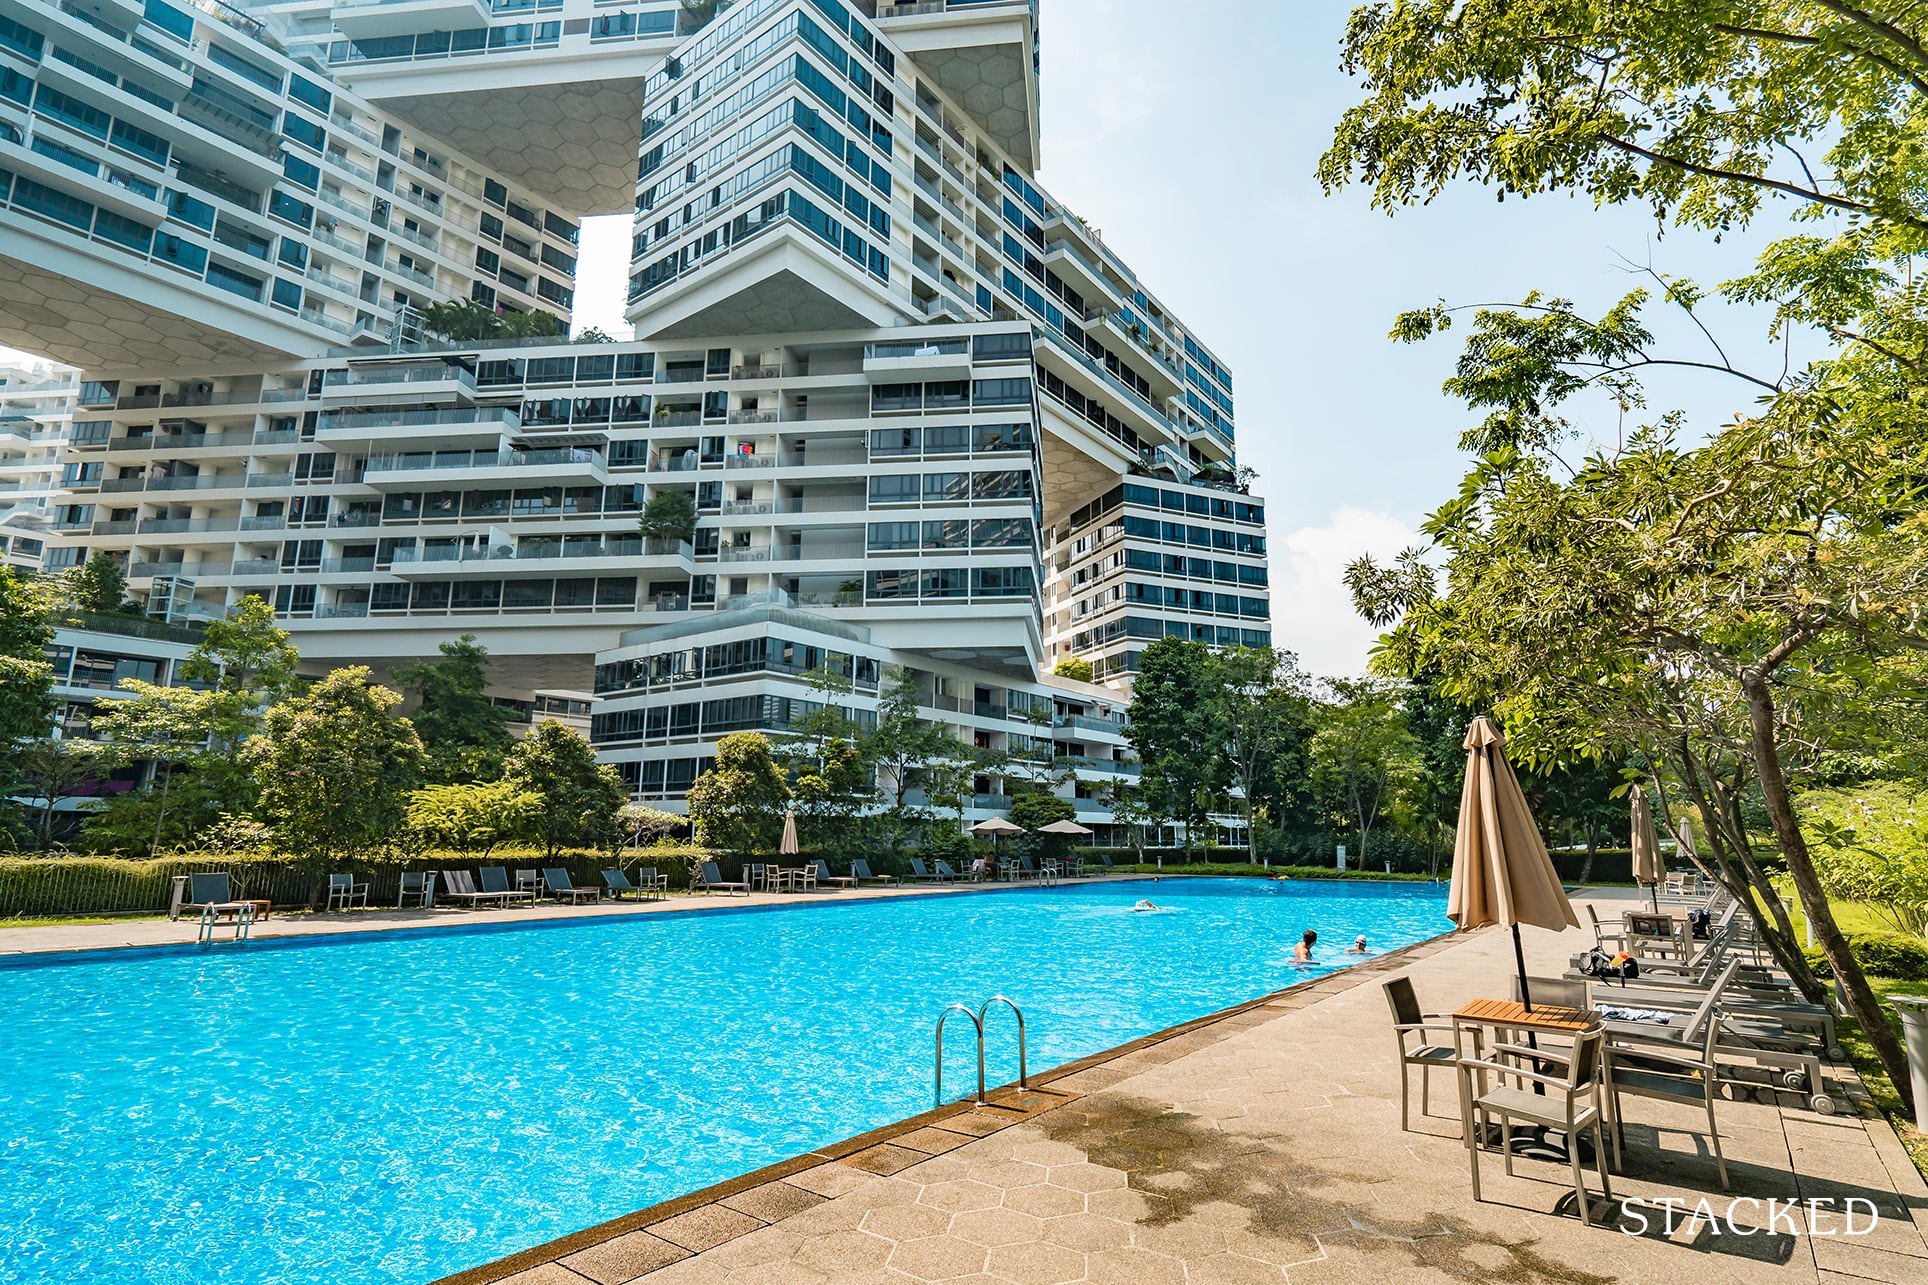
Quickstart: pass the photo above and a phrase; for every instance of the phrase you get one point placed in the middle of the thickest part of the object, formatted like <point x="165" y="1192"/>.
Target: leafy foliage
<point x="668" y="514"/>
<point x="473" y="818"/>
<point x="335" y="765"/>
<point x="580" y="799"/>
<point x="1174" y="700"/>
<point x="99" y="585"/>
<point x="737" y="806"/>
<point x="27" y="704"/>
<point x="1076" y="668"/>
<point x="465" y="734"/>
<point x="1871" y="846"/>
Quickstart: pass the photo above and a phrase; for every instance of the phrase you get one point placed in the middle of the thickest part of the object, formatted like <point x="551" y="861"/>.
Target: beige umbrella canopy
<point x="788" y="848"/>
<point x="1501" y="872"/>
<point x="1063" y="827"/>
<point x="997" y="826"/>
<point x="1647" y="867"/>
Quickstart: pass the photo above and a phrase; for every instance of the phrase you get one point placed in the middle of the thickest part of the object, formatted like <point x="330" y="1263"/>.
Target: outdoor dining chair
<point x="1570" y="1103"/>
<point x="345" y="894"/>
<point x="1408" y="1024"/>
<point x="1666" y="1072"/>
<point x="419" y="884"/>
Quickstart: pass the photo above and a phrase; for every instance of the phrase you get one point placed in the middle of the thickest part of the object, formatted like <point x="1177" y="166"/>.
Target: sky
<point x="1190" y="135"/>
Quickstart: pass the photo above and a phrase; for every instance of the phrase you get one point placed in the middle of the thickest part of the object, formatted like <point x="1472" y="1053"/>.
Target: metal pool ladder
<point x="976" y="1020"/>
<point x="243" y="923"/>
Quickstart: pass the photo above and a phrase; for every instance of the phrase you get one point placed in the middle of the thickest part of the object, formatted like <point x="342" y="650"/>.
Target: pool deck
<point x="1263" y="1144"/>
<point x="54" y="938"/>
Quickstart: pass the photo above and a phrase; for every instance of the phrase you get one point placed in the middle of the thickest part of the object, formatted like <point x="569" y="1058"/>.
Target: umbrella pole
<point x="1519" y="962"/>
<point x="1654" y="889"/>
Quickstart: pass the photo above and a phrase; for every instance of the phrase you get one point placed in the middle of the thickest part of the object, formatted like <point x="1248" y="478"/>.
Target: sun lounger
<point x="215" y="892"/>
<point x="824" y="876"/>
<point x="459" y="886"/>
<point x="860" y="871"/>
<point x="556" y="880"/>
<point x="944" y="872"/>
<point x="921" y="873"/>
<point x="712" y="879"/>
<point x="495" y="883"/>
<point x="616" y="885"/>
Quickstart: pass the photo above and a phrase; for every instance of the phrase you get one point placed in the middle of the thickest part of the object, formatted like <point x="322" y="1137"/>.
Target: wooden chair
<point x="1409" y="1023"/>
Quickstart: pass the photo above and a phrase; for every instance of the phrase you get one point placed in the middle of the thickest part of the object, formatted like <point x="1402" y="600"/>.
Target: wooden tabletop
<point x="1541" y="1017"/>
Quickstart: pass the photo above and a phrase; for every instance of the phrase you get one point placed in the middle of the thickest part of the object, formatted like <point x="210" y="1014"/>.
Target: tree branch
<point x="1753" y="180"/>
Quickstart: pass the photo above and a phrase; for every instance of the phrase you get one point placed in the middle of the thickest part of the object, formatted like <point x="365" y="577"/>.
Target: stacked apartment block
<point x="927" y="419"/>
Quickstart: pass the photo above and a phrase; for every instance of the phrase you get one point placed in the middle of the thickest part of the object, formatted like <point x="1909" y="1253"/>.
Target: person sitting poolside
<point x="1302" y="953"/>
<point x="1358" y="947"/>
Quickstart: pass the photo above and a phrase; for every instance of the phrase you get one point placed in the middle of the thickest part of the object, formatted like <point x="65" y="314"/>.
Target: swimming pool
<point x="395" y="1107"/>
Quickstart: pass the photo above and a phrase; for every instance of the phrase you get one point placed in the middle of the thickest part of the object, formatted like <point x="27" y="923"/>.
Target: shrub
<point x="1884" y="954"/>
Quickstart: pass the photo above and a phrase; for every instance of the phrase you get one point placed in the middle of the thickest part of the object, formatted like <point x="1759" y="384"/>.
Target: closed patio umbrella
<point x="1501" y="871"/>
<point x="788" y="848"/>
<point x="1647" y="868"/>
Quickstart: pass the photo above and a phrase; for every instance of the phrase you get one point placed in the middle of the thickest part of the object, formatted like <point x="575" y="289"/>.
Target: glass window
<point x="947" y="486"/>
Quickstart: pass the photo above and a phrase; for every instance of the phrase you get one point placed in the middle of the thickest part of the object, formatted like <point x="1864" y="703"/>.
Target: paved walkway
<point x="1266" y="1147"/>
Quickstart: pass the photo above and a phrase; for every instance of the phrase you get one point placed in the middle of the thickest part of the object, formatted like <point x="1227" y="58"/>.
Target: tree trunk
<point x="1745" y="881"/>
<point x="1593" y="844"/>
<point x="160" y="811"/>
<point x="1848" y="977"/>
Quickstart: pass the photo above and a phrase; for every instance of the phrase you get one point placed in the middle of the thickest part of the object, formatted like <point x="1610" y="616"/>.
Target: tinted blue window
<point x="123" y="231"/>
<point x="171" y="20"/>
<point x="287" y="294"/>
<point x="306" y="174"/>
<point x="306" y="91"/>
<point x="283" y="206"/>
<point x="303" y="130"/>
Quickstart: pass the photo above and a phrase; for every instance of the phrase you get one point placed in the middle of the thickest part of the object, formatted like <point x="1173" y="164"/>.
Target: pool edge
<point x="1007" y="1105"/>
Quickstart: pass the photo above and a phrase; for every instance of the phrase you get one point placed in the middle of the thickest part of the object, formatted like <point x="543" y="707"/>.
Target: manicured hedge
<point x="42" y="887"/>
<point x="1883" y="954"/>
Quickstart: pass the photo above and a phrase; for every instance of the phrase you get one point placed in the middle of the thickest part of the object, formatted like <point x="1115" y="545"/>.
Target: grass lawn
<point x="71" y="921"/>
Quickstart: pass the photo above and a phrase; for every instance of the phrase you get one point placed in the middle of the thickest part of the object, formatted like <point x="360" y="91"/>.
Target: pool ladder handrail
<point x="977" y="1022"/>
<point x="243" y="923"/>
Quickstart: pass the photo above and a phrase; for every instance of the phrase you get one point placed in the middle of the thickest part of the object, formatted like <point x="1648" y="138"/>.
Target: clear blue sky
<point x="1189" y="133"/>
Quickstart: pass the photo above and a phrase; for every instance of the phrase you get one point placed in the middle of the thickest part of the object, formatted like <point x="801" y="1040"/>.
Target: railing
<point x="749" y="461"/>
<point x="350" y="127"/>
<point x="753" y="417"/>
<point x="756" y="372"/>
<point x="340" y="243"/>
<point x="437" y="373"/>
<point x="341" y="162"/>
<point x="321" y="276"/>
<point x="478" y="459"/>
<point x="508" y="419"/>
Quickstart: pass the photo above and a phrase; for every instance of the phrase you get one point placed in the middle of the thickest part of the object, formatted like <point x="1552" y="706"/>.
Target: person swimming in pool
<point x="1359" y="947"/>
<point x="1302" y="953"/>
<point x="1146" y="903"/>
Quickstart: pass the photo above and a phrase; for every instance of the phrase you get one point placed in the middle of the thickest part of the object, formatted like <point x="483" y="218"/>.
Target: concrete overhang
<point x="984" y="57"/>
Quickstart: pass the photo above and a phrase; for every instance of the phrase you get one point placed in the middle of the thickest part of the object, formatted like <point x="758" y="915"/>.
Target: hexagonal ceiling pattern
<point x="572" y="146"/>
<point x="55" y="316"/>
<point x="782" y="303"/>
<point x="989" y="82"/>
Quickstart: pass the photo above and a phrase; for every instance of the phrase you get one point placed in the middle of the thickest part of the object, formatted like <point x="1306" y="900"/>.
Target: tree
<point x="1174" y="712"/>
<point x="464" y="732"/>
<point x="468" y="319"/>
<point x="53" y="768"/>
<point x="174" y="728"/>
<point x="27" y="704"/>
<point x="335" y="765"/>
<point x="1035" y="810"/>
<point x="832" y="794"/>
<point x="811" y="732"/>
<point x="1264" y="720"/>
<point x="1584" y="798"/>
<point x="581" y="798"/>
<point x="642" y="825"/>
<point x="247" y="653"/>
<point x="99" y="585"/>
<point x="902" y="744"/>
<point x="1748" y="582"/>
<point x="594" y="335"/>
<point x="669" y="514"/>
<point x="1076" y="668"/>
<point x="737" y="806"/>
<point x="473" y="818"/>
<point x="1362" y="751"/>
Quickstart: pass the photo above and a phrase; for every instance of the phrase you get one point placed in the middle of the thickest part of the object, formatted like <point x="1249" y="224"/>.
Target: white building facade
<point x="917" y="403"/>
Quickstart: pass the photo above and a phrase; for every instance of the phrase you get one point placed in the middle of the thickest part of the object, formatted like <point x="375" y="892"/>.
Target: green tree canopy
<point x="99" y="585"/>
<point x="581" y="799"/>
<point x="1076" y="668"/>
<point x="27" y="705"/>
<point x="668" y="514"/>
<point x="737" y="806"/>
<point x="335" y="765"/>
<point x="473" y="817"/>
<point x="465" y="734"/>
<point x="1174" y="715"/>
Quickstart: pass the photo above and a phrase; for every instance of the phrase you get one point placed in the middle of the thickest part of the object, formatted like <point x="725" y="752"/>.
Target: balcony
<point x="374" y="18"/>
<point x="540" y="557"/>
<point x="459" y="427"/>
<point x="420" y="379"/>
<point x="523" y="468"/>
<point x="898" y="361"/>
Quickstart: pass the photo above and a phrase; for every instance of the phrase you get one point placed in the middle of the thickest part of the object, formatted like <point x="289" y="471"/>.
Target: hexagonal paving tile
<point x="1036" y="1264"/>
<point x="938" y="1258"/>
<point x="996" y="1226"/>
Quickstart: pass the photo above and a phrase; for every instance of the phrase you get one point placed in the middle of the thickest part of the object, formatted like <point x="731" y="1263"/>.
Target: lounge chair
<point x="345" y="894"/>
<point x="860" y="871"/>
<point x="213" y="890"/>
<point x="617" y="885"/>
<point x="944" y="872"/>
<point x="459" y="886"/>
<point x="919" y="872"/>
<point x="419" y="884"/>
<point x="556" y="880"/>
<point x="824" y="875"/>
<point x="713" y="879"/>
<point x="495" y="883"/>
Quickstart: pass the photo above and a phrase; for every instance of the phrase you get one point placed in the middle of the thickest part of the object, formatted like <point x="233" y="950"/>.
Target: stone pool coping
<point x="634" y="1244"/>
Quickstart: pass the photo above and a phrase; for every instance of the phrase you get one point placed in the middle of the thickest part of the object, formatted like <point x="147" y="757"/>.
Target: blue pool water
<point x="392" y="1108"/>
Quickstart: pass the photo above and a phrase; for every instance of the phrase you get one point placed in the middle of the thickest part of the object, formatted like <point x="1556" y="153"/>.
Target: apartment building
<point x="915" y="401"/>
<point x="176" y="190"/>
<point x="36" y="414"/>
